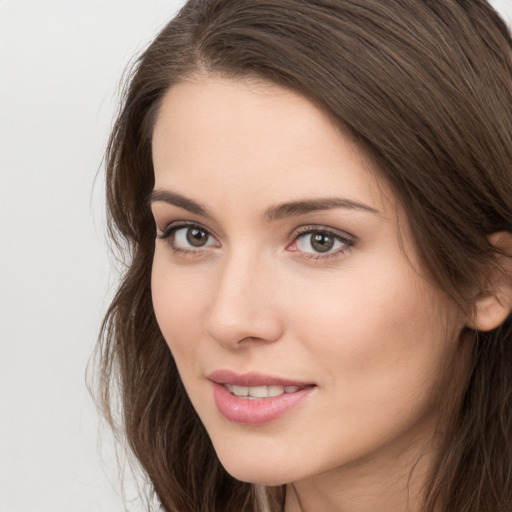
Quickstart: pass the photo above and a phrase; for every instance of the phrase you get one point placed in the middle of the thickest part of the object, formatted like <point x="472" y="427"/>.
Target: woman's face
<point x="307" y="342"/>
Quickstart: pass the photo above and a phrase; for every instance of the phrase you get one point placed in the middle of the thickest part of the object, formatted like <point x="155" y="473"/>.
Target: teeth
<point x="274" y="390"/>
<point x="260" y="391"/>
<point x="263" y="391"/>
<point x="240" y="390"/>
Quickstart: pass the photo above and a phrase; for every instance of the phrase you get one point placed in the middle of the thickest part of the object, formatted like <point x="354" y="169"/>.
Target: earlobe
<point x="490" y="311"/>
<point x="494" y="305"/>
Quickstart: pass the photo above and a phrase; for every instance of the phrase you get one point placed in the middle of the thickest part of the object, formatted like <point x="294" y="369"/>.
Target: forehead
<point x="220" y="136"/>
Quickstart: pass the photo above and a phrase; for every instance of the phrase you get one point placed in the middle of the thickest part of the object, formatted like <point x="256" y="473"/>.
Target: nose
<point x="244" y="306"/>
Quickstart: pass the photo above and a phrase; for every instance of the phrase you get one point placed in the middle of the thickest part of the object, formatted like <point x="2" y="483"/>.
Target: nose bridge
<point x="243" y="304"/>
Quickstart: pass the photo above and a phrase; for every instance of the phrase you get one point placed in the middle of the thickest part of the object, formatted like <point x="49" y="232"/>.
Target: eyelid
<point x="346" y="238"/>
<point x="311" y="228"/>
<point x="169" y="232"/>
<point x="178" y="224"/>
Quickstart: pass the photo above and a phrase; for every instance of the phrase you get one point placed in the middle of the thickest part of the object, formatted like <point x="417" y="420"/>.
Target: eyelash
<point x="169" y="234"/>
<point x="347" y="240"/>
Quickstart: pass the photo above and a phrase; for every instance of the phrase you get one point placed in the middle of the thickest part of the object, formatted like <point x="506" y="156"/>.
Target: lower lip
<point x="259" y="411"/>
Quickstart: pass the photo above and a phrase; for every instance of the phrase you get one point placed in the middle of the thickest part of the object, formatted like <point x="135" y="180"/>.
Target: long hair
<point x="425" y="88"/>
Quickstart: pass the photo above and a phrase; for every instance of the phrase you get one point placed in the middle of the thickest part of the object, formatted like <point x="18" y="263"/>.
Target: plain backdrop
<point x="60" y="65"/>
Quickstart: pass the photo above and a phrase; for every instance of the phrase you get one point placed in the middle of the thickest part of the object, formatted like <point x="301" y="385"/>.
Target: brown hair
<point x="425" y="87"/>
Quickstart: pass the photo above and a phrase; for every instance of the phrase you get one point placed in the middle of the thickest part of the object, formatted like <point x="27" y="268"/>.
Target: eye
<point x="320" y="242"/>
<point x="187" y="237"/>
<point x="194" y="237"/>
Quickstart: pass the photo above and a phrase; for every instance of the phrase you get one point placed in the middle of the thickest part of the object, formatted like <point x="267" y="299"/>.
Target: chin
<point x="255" y="468"/>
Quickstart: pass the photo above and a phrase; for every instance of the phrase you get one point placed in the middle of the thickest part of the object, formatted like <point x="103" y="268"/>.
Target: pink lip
<point x="259" y="411"/>
<point x="253" y="379"/>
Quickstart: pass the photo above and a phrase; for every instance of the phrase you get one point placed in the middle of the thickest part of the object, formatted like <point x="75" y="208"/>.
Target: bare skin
<point x="296" y="271"/>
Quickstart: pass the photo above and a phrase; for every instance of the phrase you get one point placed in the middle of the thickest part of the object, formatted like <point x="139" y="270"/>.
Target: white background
<point x="60" y="64"/>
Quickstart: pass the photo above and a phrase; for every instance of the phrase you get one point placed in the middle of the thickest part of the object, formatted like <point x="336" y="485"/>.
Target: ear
<point x="494" y="304"/>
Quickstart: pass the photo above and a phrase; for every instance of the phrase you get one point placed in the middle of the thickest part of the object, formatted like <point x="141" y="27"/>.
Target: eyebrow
<point x="281" y="211"/>
<point x="176" y="199"/>
<point x="301" y="207"/>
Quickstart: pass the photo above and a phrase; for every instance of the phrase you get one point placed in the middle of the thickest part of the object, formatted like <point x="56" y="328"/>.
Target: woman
<point x="317" y="201"/>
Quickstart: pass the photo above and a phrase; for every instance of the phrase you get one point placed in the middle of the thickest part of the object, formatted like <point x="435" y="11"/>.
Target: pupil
<point x="196" y="237"/>
<point x="322" y="242"/>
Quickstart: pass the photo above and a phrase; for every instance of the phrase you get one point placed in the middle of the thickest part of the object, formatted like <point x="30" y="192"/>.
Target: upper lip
<point x="251" y="379"/>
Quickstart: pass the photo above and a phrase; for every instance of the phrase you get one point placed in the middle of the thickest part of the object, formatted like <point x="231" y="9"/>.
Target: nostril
<point x="245" y="328"/>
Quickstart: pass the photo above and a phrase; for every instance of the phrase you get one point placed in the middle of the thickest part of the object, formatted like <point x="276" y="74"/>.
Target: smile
<point x="255" y="392"/>
<point x="255" y="399"/>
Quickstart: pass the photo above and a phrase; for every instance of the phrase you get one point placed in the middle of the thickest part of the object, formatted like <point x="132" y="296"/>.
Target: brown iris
<point x="196" y="237"/>
<point x="321" y="241"/>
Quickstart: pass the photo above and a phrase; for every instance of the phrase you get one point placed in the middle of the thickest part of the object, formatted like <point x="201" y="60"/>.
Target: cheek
<point x="379" y="351"/>
<point x="380" y="334"/>
<point x="178" y="308"/>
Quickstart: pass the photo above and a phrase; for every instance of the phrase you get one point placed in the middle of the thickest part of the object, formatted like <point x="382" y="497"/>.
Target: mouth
<point x="256" y="399"/>
<point x="256" y="392"/>
<point x="256" y="385"/>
